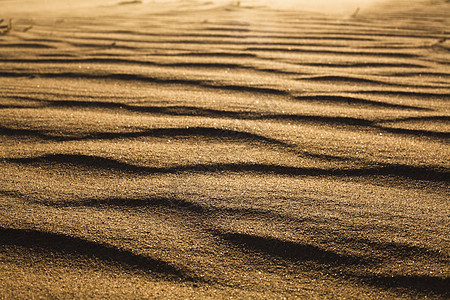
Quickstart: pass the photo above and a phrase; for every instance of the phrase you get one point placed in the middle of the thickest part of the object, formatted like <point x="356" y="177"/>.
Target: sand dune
<point x="224" y="149"/>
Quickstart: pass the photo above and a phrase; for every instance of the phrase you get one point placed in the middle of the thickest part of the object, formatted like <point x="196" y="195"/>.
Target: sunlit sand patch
<point x="218" y="149"/>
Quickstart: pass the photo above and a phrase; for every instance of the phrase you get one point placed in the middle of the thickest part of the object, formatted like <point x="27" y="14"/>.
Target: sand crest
<point x="218" y="149"/>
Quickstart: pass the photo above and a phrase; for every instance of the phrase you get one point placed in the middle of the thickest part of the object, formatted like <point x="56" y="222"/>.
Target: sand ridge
<point x="224" y="149"/>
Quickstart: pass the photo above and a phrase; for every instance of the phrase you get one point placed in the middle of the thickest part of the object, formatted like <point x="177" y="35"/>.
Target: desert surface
<point x="224" y="149"/>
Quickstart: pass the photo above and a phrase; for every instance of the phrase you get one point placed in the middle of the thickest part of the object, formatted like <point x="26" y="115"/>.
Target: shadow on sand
<point x="68" y="245"/>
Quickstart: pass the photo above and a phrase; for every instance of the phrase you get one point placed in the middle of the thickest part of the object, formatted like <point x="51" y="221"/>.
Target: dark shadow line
<point x="301" y="253"/>
<point x="213" y="113"/>
<point x="175" y="110"/>
<point x="191" y="132"/>
<point x="239" y="42"/>
<point x="322" y="120"/>
<point x="142" y="78"/>
<point x="119" y="61"/>
<point x="364" y="65"/>
<point x="157" y="132"/>
<point x="205" y="112"/>
<point x="412" y="74"/>
<point x="205" y="65"/>
<point x="60" y="243"/>
<point x="240" y="36"/>
<point x="393" y="250"/>
<point x="180" y="205"/>
<point x="167" y="110"/>
<point x="26" y="45"/>
<point x="32" y="133"/>
<point x="91" y="162"/>
<point x="213" y="132"/>
<point x="379" y="34"/>
<point x="288" y="250"/>
<point x="101" y="46"/>
<point x="334" y="52"/>
<point x="351" y="100"/>
<point x="267" y="35"/>
<point x="227" y="29"/>
<point x="2" y="106"/>
<point x="357" y="80"/>
<point x="415" y="132"/>
<point x="194" y="132"/>
<point x="439" y="286"/>
<point x="165" y="202"/>
<point x="442" y="119"/>
<point x="214" y="54"/>
<point x="130" y="2"/>
<point x="424" y="95"/>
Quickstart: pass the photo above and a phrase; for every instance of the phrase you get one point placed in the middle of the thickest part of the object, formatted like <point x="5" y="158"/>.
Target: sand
<point x="194" y="149"/>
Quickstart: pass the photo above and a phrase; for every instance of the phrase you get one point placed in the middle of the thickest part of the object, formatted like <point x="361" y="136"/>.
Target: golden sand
<point x="230" y="149"/>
